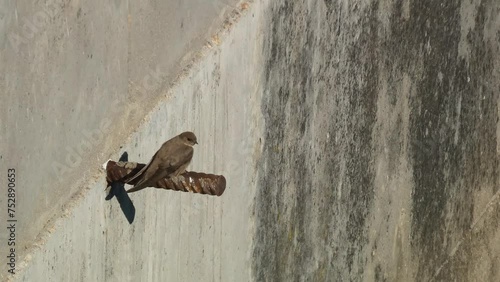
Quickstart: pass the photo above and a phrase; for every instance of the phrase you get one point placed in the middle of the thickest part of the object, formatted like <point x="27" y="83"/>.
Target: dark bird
<point x="171" y="160"/>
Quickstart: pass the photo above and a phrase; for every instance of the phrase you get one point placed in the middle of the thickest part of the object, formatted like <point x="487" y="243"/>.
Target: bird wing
<point x="181" y="158"/>
<point x="171" y="164"/>
<point x="164" y="149"/>
<point x="153" y="170"/>
<point x="161" y="172"/>
<point x="141" y="172"/>
<point x="166" y="161"/>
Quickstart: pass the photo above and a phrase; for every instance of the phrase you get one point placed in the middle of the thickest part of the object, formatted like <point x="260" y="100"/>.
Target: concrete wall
<point x="381" y="156"/>
<point x="173" y="236"/>
<point x="360" y="141"/>
<point x="69" y="69"/>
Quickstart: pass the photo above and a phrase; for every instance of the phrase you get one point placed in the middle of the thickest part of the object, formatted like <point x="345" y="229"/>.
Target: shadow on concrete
<point x="118" y="190"/>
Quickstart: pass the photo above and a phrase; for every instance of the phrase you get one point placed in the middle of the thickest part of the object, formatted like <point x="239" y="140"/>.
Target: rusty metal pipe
<point x="189" y="181"/>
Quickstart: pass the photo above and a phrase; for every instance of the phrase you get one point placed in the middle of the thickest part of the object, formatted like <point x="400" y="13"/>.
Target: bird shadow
<point x="118" y="190"/>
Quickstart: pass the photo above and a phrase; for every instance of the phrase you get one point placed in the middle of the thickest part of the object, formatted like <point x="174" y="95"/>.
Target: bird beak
<point x="195" y="142"/>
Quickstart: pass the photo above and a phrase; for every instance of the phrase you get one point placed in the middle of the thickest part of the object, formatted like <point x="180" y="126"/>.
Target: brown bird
<point x="171" y="160"/>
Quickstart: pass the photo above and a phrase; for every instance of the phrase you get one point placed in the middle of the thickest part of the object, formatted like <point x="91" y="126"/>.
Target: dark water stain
<point x="297" y="185"/>
<point x="315" y="194"/>
<point x="446" y="132"/>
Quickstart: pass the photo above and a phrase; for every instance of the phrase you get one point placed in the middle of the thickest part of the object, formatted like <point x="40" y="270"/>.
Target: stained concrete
<point x="69" y="69"/>
<point x="381" y="149"/>
<point x="360" y="141"/>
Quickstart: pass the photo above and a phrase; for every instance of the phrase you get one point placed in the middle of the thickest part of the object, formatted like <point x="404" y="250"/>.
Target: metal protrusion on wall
<point x="195" y="182"/>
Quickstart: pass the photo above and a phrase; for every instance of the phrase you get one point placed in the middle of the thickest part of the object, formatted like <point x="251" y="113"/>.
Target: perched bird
<point x="171" y="160"/>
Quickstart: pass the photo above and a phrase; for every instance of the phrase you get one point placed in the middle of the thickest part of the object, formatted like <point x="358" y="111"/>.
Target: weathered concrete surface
<point x="382" y="142"/>
<point x="69" y="68"/>
<point x="359" y="140"/>
<point x="174" y="236"/>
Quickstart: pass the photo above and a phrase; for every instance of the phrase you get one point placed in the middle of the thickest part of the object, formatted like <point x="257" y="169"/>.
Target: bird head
<point x="188" y="138"/>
